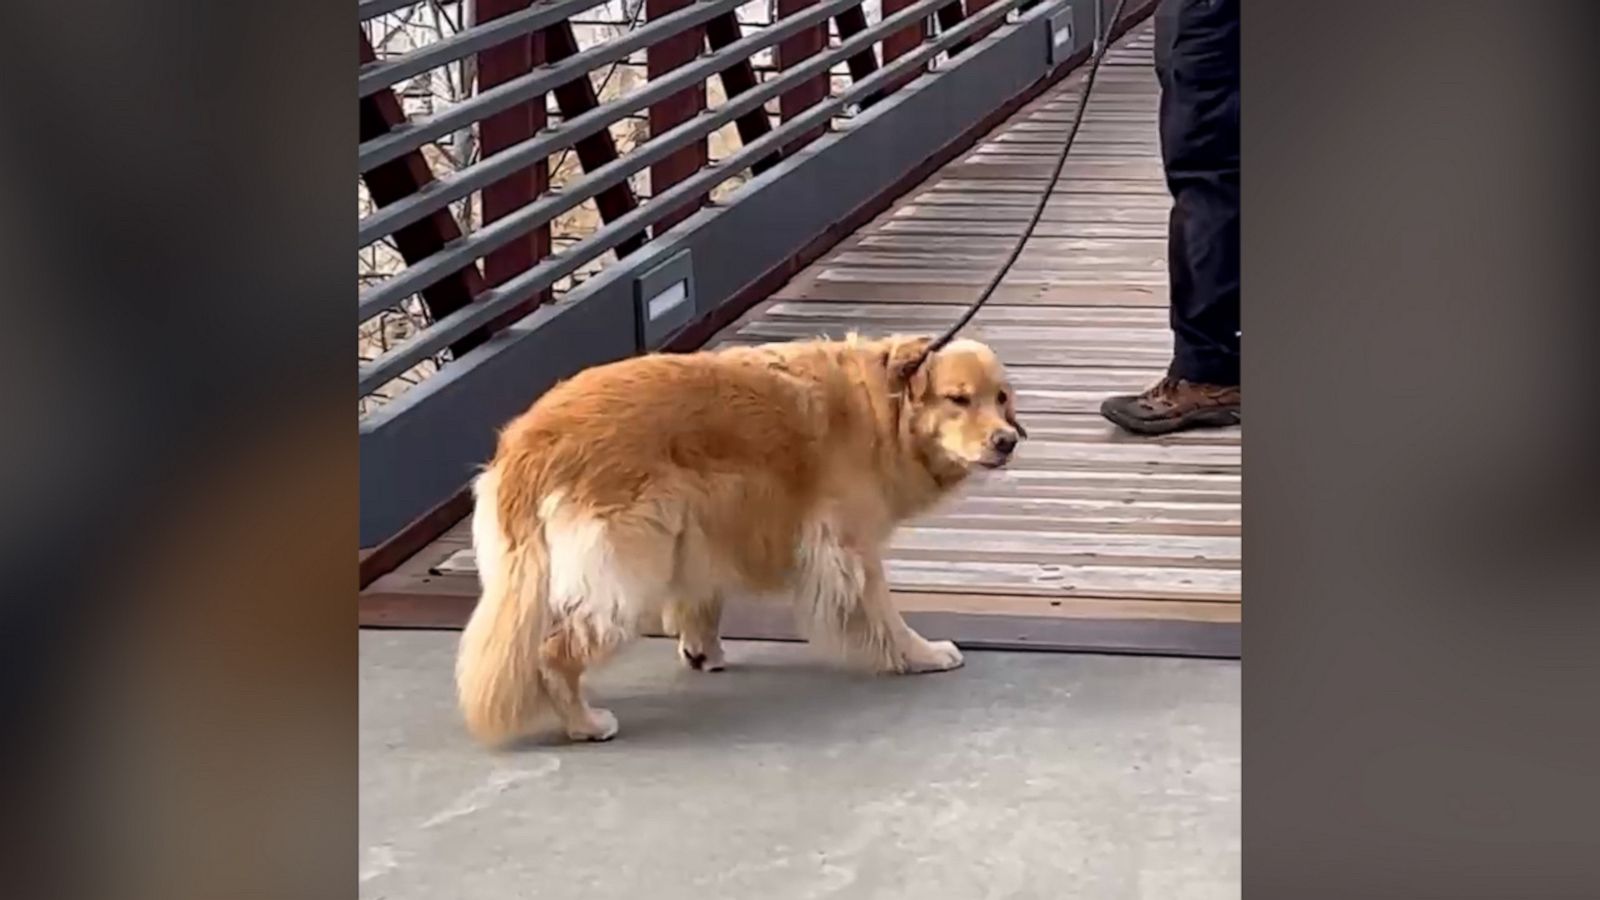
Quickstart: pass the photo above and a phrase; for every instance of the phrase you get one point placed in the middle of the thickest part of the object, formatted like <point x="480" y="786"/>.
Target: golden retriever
<point x="654" y="487"/>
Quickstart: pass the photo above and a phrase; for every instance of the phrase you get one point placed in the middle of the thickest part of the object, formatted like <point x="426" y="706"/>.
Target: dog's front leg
<point x="844" y="600"/>
<point x="912" y="653"/>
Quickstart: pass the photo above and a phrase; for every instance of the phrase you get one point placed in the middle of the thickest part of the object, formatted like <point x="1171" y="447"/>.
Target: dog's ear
<point x="905" y="359"/>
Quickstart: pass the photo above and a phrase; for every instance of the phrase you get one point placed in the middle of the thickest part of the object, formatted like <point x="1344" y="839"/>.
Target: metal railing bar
<point x="376" y="76"/>
<point x="371" y="9"/>
<point x="925" y="52"/>
<point x="452" y="187"/>
<point x="494" y="302"/>
<point x="457" y="254"/>
<point x="523" y="88"/>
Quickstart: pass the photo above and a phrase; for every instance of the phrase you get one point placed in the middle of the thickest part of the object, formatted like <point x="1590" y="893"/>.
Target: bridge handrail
<point x="496" y="301"/>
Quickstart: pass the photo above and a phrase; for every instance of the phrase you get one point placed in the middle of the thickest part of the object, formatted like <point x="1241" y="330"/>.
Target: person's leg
<point x="1197" y="63"/>
<point x="1200" y="150"/>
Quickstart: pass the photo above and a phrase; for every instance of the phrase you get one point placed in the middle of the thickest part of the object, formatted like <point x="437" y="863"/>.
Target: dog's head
<point x="958" y="400"/>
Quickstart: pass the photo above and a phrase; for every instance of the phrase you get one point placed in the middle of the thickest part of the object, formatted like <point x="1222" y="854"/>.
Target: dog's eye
<point x="959" y="399"/>
<point x="1001" y="399"/>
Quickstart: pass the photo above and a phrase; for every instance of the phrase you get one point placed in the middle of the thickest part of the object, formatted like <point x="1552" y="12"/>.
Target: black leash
<point x="1104" y="41"/>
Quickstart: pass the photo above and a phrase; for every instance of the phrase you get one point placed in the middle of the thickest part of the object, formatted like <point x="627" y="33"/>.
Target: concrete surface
<point x="1019" y="776"/>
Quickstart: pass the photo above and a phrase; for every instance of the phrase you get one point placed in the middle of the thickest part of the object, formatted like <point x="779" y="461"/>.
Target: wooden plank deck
<point x="1092" y="540"/>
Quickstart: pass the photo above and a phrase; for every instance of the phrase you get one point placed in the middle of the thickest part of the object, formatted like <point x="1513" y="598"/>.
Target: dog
<point x="653" y="488"/>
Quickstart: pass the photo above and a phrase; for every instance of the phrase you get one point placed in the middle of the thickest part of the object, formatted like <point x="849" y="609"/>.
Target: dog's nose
<point x="1003" y="441"/>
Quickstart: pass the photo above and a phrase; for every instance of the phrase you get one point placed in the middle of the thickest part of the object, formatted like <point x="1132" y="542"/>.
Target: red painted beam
<point x="899" y="43"/>
<point x="575" y="98"/>
<point x="977" y="6"/>
<point x="791" y="52"/>
<point x="669" y="54"/>
<point x="737" y="78"/>
<point x="850" y="23"/>
<point x="950" y="15"/>
<point x="498" y="65"/>
<point x="399" y="178"/>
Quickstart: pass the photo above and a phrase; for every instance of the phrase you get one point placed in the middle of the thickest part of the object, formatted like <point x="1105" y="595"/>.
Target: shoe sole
<point x="1215" y="417"/>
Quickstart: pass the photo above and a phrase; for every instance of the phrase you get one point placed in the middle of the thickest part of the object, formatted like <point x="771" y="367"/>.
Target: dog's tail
<point x="498" y="682"/>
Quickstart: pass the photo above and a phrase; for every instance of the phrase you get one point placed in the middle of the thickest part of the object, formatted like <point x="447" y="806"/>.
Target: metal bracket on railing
<point x="1061" y="42"/>
<point x="664" y="298"/>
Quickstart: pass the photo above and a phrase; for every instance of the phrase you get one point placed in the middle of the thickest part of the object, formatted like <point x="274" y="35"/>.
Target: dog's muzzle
<point x="1001" y="445"/>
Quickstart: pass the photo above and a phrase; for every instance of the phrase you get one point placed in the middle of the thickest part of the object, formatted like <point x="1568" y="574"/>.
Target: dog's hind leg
<point x="844" y="602"/>
<point x="571" y="648"/>
<point x="606" y="577"/>
<point x="698" y="624"/>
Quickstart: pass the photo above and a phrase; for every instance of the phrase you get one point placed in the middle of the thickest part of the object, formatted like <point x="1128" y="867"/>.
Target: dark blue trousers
<point x="1197" y="62"/>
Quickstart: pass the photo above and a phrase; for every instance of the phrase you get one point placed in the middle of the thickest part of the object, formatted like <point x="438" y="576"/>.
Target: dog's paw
<point x="933" y="656"/>
<point x="702" y="659"/>
<point x="602" y="726"/>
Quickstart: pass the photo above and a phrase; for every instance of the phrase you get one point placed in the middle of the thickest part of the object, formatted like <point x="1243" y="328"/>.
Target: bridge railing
<point x="817" y="125"/>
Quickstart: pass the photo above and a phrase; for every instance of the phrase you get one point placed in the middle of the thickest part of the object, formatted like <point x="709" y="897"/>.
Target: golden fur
<point x="656" y="486"/>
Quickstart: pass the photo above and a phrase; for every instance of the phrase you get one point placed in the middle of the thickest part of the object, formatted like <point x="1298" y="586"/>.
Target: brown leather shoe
<point x="1174" y="405"/>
